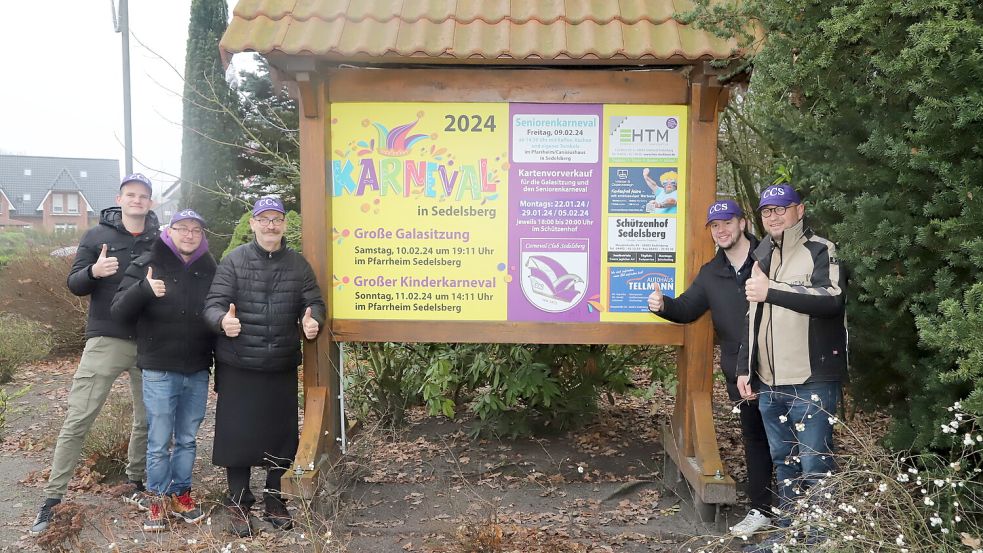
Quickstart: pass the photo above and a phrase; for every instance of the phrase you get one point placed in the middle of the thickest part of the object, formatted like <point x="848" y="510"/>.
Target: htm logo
<point x="643" y="135"/>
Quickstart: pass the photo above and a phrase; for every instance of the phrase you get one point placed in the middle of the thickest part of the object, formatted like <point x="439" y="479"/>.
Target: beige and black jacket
<point x="798" y="334"/>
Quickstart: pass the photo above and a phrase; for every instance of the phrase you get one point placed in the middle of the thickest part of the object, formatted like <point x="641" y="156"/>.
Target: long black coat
<point x="719" y="288"/>
<point x="119" y="244"/>
<point x="171" y="333"/>
<point x="271" y="291"/>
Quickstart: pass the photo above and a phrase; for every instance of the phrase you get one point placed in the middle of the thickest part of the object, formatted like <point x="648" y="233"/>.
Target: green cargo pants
<point x="103" y="360"/>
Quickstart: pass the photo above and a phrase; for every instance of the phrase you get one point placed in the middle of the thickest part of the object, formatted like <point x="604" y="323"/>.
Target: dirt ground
<point x="427" y="488"/>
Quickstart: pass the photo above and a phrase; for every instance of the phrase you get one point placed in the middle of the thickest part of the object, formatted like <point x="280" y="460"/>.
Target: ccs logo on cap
<point x="772" y="192"/>
<point x="718" y="207"/>
<point x="267" y="202"/>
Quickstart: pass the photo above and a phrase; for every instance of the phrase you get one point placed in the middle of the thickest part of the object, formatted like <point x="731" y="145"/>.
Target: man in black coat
<point x="104" y="253"/>
<point x="164" y="292"/>
<point x="262" y="295"/>
<point x="719" y="287"/>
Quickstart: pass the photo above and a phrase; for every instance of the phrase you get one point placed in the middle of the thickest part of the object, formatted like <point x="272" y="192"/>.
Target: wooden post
<point x="322" y="386"/>
<point x="693" y="439"/>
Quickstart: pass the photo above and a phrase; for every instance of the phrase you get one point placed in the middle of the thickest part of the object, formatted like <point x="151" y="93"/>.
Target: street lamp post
<point x="122" y="25"/>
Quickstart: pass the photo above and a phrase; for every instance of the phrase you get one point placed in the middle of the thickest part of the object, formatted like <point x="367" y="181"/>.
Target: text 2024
<point x="469" y="123"/>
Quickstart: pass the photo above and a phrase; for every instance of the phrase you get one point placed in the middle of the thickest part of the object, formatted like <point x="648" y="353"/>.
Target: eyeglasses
<point x="778" y="210"/>
<point x="184" y="231"/>
<point x="264" y="222"/>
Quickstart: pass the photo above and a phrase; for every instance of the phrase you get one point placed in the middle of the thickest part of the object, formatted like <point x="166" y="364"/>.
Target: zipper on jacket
<point x="269" y="309"/>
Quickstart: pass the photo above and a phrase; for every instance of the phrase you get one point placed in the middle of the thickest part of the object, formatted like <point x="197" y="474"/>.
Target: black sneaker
<point x="275" y="512"/>
<point x="133" y="493"/>
<point x="43" y="520"/>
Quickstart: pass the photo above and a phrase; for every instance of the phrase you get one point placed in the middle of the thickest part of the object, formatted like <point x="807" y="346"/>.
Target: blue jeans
<point x="175" y="405"/>
<point x="800" y="435"/>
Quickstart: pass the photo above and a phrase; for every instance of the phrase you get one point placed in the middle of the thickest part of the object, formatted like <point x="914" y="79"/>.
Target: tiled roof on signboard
<point x="474" y="31"/>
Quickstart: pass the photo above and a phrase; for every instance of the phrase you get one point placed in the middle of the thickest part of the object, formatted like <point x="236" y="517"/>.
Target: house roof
<point x="99" y="186"/>
<point x="518" y="32"/>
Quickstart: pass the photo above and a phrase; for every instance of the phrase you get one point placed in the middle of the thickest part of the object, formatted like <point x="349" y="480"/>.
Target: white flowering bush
<point x="879" y="501"/>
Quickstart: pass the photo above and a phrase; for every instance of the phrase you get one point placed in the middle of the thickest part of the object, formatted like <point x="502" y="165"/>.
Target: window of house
<point x="66" y="227"/>
<point x="73" y="203"/>
<point x="27" y="172"/>
<point x="57" y="203"/>
<point x="27" y="197"/>
<point x="83" y="174"/>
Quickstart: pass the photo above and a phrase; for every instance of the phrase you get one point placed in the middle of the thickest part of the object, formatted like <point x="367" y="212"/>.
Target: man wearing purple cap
<point x="719" y="287"/>
<point x="164" y="292"/>
<point x="104" y="253"/>
<point x="795" y="345"/>
<point x="263" y="293"/>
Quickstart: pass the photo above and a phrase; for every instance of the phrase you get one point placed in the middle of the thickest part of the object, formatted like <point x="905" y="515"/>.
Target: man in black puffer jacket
<point x="262" y="294"/>
<point x="104" y="253"/>
<point x="164" y="292"/>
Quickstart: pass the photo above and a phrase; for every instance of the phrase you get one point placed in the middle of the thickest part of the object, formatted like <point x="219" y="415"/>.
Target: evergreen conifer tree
<point x="879" y="106"/>
<point x="209" y="180"/>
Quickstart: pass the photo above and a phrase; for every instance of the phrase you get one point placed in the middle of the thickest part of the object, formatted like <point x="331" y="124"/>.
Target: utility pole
<point x="122" y="26"/>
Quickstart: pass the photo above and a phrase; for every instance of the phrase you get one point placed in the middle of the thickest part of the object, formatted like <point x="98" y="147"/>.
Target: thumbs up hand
<point x="655" y="299"/>
<point x="104" y="266"/>
<point x="311" y="327"/>
<point x="756" y="287"/>
<point x="230" y="324"/>
<point x="155" y="284"/>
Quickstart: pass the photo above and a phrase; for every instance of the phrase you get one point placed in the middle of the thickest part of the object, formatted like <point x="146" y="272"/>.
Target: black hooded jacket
<point x="121" y="245"/>
<point x="171" y="332"/>
<point x="271" y="292"/>
<point x="720" y="289"/>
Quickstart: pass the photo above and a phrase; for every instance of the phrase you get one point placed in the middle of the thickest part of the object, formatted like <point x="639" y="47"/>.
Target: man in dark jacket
<point x="164" y="292"/>
<point x="263" y="293"/>
<point x="104" y="253"/>
<point x="719" y="287"/>
<point x="794" y="353"/>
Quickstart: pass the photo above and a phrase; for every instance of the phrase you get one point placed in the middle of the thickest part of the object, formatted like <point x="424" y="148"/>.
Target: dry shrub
<point x="480" y="538"/>
<point x="21" y="341"/>
<point x="6" y="407"/>
<point x="490" y="536"/>
<point x="106" y="446"/>
<point x="65" y="531"/>
<point x="34" y="285"/>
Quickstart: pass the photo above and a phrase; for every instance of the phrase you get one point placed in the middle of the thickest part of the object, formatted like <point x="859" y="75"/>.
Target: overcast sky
<point x="61" y="92"/>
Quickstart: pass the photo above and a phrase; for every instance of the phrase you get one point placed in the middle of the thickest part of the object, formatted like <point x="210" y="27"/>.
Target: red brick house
<point x="55" y="194"/>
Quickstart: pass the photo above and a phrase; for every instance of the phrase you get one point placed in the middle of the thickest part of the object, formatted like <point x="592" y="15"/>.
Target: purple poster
<point x="555" y="187"/>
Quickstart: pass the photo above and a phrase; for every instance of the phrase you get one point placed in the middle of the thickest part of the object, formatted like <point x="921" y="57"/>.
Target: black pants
<point x="757" y="457"/>
<point x="239" y="492"/>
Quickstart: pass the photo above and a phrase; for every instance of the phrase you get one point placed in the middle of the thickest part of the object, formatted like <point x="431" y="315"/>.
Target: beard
<point x="733" y="243"/>
<point x="184" y="250"/>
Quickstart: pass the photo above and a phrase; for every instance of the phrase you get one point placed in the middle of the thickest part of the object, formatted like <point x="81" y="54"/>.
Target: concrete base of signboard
<point x="706" y="494"/>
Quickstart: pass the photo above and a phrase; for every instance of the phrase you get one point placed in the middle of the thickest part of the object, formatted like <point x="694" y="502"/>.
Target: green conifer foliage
<point x="209" y="182"/>
<point x="879" y="105"/>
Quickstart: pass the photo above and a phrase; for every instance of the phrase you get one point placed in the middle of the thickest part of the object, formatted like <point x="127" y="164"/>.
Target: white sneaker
<point x="753" y="522"/>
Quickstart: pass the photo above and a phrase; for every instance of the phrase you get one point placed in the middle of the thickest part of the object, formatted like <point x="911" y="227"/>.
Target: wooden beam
<point x="307" y="88"/>
<point x="704" y="436"/>
<point x="708" y="489"/>
<point x="322" y="411"/>
<point x="710" y="103"/>
<point x="695" y="360"/>
<point x="507" y="85"/>
<point x="506" y="332"/>
<point x="301" y="481"/>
